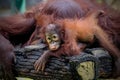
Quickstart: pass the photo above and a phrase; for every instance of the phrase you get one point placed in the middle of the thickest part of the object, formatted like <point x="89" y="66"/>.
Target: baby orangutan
<point x="53" y="39"/>
<point x="62" y="38"/>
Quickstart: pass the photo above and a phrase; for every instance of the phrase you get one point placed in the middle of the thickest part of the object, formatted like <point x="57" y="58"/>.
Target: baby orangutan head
<point x="52" y="36"/>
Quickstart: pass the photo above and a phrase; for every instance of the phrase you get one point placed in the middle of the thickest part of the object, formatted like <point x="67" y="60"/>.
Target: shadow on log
<point x="91" y="64"/>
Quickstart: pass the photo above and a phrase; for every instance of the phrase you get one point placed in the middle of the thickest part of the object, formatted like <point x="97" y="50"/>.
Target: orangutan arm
<point x="42" y="60"/>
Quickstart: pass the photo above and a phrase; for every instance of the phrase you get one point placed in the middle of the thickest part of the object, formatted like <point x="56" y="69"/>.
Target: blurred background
<point x="10" y="7"/>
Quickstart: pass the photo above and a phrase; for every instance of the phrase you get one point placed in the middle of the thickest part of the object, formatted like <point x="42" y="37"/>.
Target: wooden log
<point x="91" y="64"/>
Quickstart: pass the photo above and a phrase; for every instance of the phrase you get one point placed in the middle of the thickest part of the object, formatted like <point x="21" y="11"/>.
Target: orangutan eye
<point x="55" y="37"/>
<point x="48" y="39"/>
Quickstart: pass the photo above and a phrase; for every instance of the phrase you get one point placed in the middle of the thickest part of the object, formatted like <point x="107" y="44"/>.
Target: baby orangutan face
<point x="52" y="37"/>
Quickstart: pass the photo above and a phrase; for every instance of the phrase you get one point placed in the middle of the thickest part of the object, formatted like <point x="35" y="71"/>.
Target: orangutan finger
<point x="39" y="67"/>
<point x="36" y="65"/>
<point x="43" y="67"/>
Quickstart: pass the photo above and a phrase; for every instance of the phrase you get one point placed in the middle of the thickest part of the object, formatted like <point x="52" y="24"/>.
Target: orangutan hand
<point x="40" y="63"/>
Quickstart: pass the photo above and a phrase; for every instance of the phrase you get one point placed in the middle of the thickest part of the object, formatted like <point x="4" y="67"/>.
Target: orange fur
<point x="85" y="30"/>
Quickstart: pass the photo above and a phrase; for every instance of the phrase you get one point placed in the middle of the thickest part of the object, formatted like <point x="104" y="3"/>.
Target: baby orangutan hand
<point x="40" y="63"/>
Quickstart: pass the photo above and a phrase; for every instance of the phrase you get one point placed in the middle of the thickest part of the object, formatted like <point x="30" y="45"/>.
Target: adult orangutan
<point x="59" y="9"/>
<point x="79" y="8"/>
